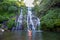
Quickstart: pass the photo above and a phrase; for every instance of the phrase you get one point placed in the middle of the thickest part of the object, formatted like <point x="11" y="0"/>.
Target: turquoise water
<point x="23" y="35"/>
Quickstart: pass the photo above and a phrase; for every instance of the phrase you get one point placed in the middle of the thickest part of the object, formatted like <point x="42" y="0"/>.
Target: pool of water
<point x="23" y="35"/>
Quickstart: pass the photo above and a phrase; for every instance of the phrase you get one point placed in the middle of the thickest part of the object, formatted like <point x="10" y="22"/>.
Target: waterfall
<point x="20" y="21"/>
<point x="32" y="21"/>
<point x="29" y="19"/>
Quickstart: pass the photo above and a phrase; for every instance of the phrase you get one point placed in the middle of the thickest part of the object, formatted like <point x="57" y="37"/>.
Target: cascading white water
<point x="19" y="21"/>
<point x="32" y="23"/>
<point x="29" y="19"/>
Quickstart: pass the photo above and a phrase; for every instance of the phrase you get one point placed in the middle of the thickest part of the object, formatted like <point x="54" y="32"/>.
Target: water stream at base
<point x="22" y="35"/>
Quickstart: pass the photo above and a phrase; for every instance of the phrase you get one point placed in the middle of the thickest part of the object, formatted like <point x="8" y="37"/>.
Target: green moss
<point x="11" y="23"/>
<point x="12" y="9"/>
<point x="2" y="18"/>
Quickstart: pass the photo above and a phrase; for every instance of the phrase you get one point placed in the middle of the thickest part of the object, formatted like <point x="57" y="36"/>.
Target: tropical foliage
<point x="49" y="13"/>
<point x="9" y="9"/>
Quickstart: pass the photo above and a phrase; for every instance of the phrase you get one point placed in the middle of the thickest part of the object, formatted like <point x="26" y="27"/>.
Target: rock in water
<point x="1" y="30"/>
